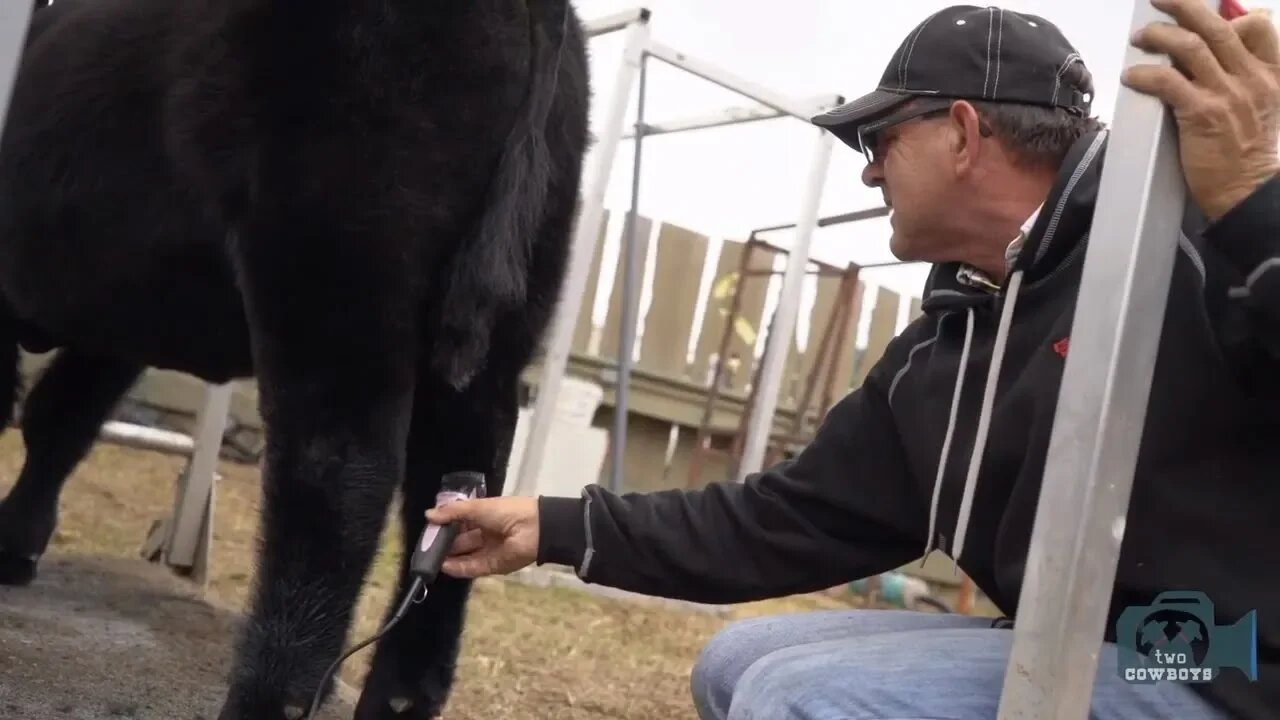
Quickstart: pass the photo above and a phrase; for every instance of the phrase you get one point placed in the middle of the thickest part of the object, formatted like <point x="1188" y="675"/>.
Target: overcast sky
<point x="726" y="181"/>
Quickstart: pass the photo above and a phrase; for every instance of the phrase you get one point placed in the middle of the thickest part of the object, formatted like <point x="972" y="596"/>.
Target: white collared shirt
<point x="974" y="277"/>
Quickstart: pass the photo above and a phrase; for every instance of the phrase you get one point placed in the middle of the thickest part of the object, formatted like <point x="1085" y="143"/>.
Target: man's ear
<point x="966" y="136"/>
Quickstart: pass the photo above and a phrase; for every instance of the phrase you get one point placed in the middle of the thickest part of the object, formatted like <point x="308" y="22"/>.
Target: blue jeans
<point x="892" y="665"/>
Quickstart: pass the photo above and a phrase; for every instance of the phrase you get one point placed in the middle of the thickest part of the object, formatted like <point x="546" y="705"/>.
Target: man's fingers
<point x="460" y="511"/>
<point x="1166" y="83"/>
<point x="1216" y="32"/>
<point x="468" y="566"/>
<point x="463" y="567"/>
<point x="467" y="542"/>
<point x="1188" y="51"/>
<point x="1257" y="32"/>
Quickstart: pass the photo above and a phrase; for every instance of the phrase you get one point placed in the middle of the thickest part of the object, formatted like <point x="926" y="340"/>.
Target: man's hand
<point x="499" y="535"/>
<point x="1224" y="90"/>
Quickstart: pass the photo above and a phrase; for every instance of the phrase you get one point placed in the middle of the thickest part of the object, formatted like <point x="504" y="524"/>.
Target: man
<point x="980" y="138"/>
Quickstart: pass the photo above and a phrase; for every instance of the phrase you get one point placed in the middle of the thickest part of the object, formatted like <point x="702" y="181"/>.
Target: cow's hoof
<point x="17" y="568"/>
<point x="234" y="710"/>
<point x="383" y="700"/>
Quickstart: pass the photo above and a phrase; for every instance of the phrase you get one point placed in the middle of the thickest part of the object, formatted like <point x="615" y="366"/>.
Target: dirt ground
<point x="114" y="639"/>
<point x="529" y="652"/>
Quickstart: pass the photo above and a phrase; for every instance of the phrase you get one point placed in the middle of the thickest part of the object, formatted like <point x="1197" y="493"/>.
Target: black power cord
<point x="410" y="598"/>
<point x="428" y="555"/>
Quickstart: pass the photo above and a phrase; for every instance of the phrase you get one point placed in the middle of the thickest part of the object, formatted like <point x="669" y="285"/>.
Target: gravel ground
<point x="113" y="639"/>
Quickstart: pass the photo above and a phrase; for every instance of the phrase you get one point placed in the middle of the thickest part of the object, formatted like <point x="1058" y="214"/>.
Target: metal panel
<point x="15" y="18"/>
<point x="1101" y="410"/>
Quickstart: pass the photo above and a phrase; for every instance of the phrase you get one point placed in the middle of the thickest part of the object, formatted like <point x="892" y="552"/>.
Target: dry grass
<point x="529" y="652"/>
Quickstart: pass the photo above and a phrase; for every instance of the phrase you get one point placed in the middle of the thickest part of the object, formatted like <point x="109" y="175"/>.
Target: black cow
<point x="364" y="204"/>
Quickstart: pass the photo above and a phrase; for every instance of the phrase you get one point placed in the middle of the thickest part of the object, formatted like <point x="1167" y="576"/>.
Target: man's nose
<point x="872" y="175"/>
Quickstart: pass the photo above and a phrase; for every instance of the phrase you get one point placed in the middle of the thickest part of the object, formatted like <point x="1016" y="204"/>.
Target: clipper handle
<point x="434" y="543"/>
<point x="432" y="548"/>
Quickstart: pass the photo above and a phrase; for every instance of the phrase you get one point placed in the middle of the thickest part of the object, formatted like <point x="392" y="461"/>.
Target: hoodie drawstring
<point x="984" y="420"/>
<point x="984" y="417"/>
<point x="951" y="426"/>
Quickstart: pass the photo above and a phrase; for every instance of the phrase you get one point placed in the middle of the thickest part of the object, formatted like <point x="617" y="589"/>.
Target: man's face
<point x="914" y="165"/>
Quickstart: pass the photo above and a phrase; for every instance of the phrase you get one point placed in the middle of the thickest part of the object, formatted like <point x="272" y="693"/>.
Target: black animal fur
<point x="365" y="204"/>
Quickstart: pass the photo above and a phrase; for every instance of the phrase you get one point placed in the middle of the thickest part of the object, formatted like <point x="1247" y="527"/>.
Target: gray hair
<point x="1040" y="136"/>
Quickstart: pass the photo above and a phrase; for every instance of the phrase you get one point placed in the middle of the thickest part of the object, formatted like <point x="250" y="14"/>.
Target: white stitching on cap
<point x="902" y="59"/>
<point x="864" y="103"/>
<point x="1057" y="78"/>
<point x="905" y="64"/>
<point x="906" y="89"/>
<point x="991" y="14"/>
<point x="995" y="90"/>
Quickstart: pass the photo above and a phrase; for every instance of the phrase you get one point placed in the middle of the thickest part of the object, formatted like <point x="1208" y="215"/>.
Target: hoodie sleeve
<point x="1241" y="256"/>
<point x="843" y="509"/>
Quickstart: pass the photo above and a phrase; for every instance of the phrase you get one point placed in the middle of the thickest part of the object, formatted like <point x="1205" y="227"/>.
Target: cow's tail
<point x="489" y="273"/>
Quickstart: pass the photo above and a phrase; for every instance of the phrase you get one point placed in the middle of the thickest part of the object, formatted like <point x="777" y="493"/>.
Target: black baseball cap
<point x="966" y="52"/>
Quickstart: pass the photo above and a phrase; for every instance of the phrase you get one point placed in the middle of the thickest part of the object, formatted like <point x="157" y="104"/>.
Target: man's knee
<point x="721" y="663"/>
<point x="876" y="676"/>
<point x="801" y="683"/>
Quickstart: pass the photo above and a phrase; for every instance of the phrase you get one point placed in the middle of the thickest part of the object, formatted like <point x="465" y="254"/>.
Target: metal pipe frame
<point x="1102" y="408"/>
<point x="193" y="508"/>
<point x="615" y="22"/>
<point x="797" y="108"/>
<point x="734" y="115"/>
<point x="15" y="18"/>
<point x="784" y="318"/>
<point x="849" y="217"/>
<point x="143" y="437"/>
<point x="555" y="357"/>
<point x="632" y="264"/>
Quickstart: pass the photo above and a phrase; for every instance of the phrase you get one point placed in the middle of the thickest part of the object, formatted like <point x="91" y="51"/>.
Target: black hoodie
<point x="862" y="497"/>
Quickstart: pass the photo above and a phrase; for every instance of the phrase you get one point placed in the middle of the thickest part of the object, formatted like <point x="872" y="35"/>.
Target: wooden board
<point x="669" y="320"/>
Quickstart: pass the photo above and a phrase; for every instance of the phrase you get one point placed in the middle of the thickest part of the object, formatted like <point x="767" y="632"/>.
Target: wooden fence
<point x="680" y="333"/>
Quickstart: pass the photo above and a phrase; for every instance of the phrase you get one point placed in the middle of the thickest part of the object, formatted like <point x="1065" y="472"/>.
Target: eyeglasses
<point x="871" y="136"/>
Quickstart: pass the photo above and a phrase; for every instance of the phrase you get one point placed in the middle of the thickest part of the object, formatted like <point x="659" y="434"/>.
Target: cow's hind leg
<point x="331" y="312"/>
<point x="413" y="667"/>
<point x="61" y="418"/>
